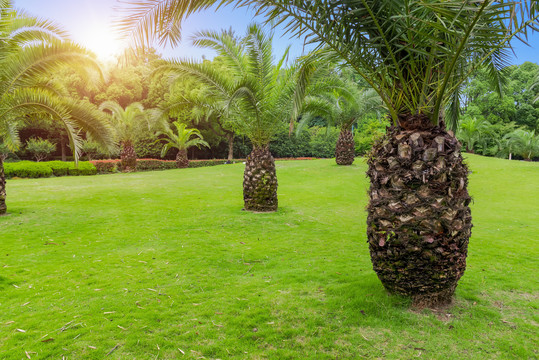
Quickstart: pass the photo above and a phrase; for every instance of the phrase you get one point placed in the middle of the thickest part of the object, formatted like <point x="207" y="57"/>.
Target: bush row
<point x="30" y="169"/>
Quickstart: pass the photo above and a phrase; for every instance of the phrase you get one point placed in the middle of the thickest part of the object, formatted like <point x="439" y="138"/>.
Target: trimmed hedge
<point x="30" y="169"/>
<point x="205" y="163"/>
<point x="155" y="164"/>
<point x="27" y="169"/>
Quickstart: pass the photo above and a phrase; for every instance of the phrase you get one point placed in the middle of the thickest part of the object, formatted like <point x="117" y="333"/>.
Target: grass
<point x="165" y="265"/>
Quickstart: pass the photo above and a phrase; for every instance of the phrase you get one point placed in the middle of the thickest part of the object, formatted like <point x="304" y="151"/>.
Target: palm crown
<point x="253" y="94"/>
<point x="415" y="54"/>
<point x="182" y="139"/>
<point x="30" y="49"/>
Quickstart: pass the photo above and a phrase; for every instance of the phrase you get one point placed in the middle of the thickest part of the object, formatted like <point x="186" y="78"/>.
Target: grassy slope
<point x="161" y="261"/>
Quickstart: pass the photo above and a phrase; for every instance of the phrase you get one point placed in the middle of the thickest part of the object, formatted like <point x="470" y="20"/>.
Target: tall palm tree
<point x="342" y="107"/>
<point x="254" y="95"/>
<point x="204" y="105"/>
<point x="182" y="140"/>
<point x="416" y="56"/>
<point x="30" y="49"/>
<point x="129" y="124"/>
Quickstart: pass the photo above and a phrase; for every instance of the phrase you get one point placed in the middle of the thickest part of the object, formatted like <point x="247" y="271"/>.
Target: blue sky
<point x="89" y="23"/>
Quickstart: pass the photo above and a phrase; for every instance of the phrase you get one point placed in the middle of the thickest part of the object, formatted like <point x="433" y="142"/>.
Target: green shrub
<point x="30" y="169"/>
<point x="84" y="168"/>
<point x="367" y="132"/>
<point x="59" y="168"/>
<point x="286" y="145"/>
<point x="27" y="169"/>
<point x="205" y="163"/>
<point x="323" y="141"/>
<point x="155" y="164"/>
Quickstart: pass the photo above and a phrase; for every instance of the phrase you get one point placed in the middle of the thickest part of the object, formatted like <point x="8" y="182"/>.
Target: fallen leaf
<point x="47" y="340"/>
<point x="92" y="347"/>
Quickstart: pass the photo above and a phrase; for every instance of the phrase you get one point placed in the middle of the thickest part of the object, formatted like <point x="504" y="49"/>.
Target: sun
<point x="104" y="42"/>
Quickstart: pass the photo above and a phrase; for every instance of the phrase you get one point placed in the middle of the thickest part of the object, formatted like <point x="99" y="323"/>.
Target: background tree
<point x="39" y="148"/>
<point x="30" y="49"/>
<point x="416" y="56"/>
<point x="182" y="140"/>
<point x="342" y="107"/>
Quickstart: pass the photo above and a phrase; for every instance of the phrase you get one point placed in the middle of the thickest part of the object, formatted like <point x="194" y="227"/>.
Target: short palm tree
<point x="524" y="143"/>
<point x="416" y="56"/>
<point x="182" y="140"/>
<point x="342" y="107"/>
<point x="30" y="49"/>
<point x="472" y="130"/>
<point x="254" y="96"/>
<point x="129" y="124"/>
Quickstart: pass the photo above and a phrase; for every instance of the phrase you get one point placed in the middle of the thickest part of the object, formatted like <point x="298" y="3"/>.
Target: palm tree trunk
<point x="260" y="181"/>
<point x="181" y="159"/>
<point x="230" y="139"/>
<point x="419" y="221"/>
<point x="128" y="156"/>
<point x="3" y="207"/>
<point x="63" y="148"/>
<point x="345" y="150"/>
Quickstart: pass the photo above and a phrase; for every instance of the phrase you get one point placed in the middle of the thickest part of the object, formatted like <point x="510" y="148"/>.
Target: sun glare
<point x="104" y="43"/>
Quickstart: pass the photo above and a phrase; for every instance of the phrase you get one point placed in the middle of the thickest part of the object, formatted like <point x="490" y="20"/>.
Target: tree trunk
<point x="419" y="221"/>
<point x="128" y="156"/>
<point x="345" y="150"/>
<point x="63" y="148"/>
<point x="230" y="139"/>
<point x="181" y="159"/>
<point x="3" y="207"/>
<point x="260" y="181"/>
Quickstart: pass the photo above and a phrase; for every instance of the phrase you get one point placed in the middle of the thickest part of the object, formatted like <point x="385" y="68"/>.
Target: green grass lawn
<point x="165" y="265"/>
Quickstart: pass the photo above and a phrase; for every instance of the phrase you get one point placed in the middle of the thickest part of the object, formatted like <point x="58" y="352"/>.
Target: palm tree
<point x="206" y="106"/>
<point x="342" y="107"/>
<point x="182" y="141"/>
<point x="254" y="96"/>
<point x="524" y="143"/>
<point x="30" y="50"/>
<point x="416" y="56"/>
<point x="128" y="124"/>
<point x="472" y="130"/>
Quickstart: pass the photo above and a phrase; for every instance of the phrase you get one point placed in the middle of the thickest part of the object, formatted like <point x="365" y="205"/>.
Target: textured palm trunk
<point x="181" y="159"/>
<point x="128" y="156"/>
<point x="230" y="139"/>
<point x="419" y="221"/>
<point x="345" y="149"/>
<point x="3" y="207"/>
<point x="260" y="181"/>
